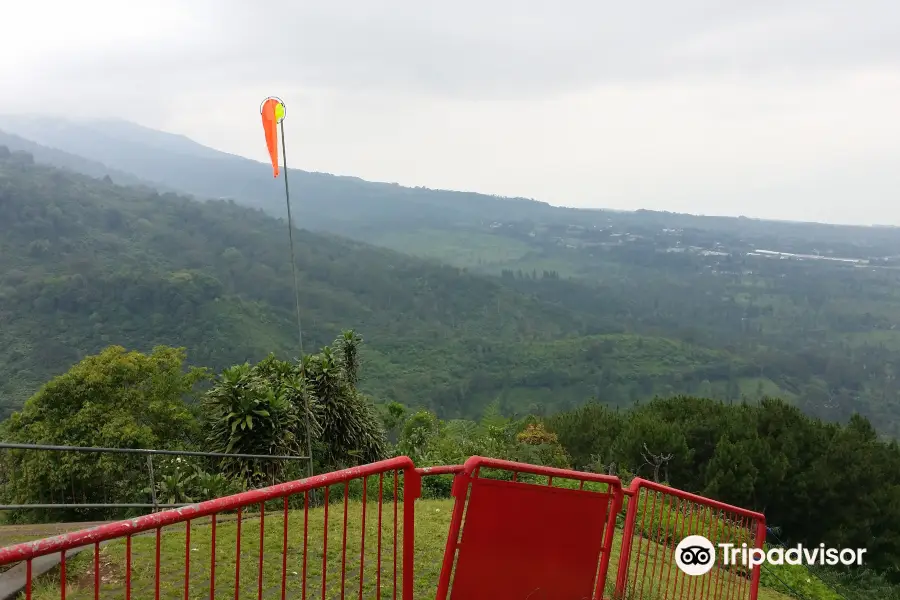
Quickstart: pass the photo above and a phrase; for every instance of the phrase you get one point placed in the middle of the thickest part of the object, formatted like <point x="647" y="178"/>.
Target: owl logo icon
<point x="695" y="555"/>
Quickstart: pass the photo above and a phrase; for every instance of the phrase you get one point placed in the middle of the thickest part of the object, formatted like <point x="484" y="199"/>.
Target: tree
<point x="351" y="433"/>
<point x="257" y="410"/>
<point x="115" y="399"/>
<point x="261" y="409"/>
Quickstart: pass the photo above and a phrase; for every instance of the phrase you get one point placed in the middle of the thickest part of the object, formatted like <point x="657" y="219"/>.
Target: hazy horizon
<point x="772" y="111"/>
<point x="265" y="162"/>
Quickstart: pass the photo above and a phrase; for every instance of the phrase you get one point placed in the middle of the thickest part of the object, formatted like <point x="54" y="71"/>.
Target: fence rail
<point x="14" y="480"/>
<point x="145" y="451"/>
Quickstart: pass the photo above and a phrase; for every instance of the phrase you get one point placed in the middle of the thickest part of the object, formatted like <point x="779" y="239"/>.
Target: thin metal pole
<point x="152" y="480"/>
<point x="91" y="505"/>
<point x="48" y="447"/>
<point x="287" y="199"/>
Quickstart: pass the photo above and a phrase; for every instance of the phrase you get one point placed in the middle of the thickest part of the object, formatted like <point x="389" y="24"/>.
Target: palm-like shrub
<point x="266" y="408"/>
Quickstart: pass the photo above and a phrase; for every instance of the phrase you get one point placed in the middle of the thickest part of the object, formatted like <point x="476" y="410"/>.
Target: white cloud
<point x="785" y="110"/>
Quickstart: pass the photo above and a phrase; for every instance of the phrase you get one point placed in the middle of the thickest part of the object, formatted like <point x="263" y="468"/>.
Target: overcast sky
<point x="782" y="109"/>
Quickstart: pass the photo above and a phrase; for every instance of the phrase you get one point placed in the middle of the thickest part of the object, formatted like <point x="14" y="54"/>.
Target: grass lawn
<point x="432" y="523"/>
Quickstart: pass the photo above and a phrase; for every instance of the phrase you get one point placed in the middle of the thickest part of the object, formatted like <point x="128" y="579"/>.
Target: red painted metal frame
<point x="744" y="519"/>
<point x="471" y="471"/>
<point x="751" y="524"/>
<point x="28" y="551"/>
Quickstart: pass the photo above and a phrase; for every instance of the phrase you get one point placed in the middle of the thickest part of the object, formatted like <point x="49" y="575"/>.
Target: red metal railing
<point x="657" y="518"/>
<point x="397" y="581"/>
<point x="515" y="531"/>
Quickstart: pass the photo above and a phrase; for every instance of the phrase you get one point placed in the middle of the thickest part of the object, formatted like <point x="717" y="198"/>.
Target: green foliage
<point x="182" y="480"/>
<point x="115" y="399"/>
<point x="819" y="482"/>
<point x="249" y="410"/>
<point x="265" y="408"/>
<point x="97" y="264"/>
<point x="429" y="441"/>
<point x="352" y="432"/>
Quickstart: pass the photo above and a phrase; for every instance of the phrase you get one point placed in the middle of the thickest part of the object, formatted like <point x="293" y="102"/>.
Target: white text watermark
<point x="696" y="555"/>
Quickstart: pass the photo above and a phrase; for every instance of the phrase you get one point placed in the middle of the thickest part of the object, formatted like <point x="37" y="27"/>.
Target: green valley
<point x="86" y="264"/>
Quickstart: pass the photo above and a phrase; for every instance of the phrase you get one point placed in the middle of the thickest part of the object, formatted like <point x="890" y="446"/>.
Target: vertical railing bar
<point x="723" y="518"/>
<point x="759" y="539"/>
<point x="28" y="579"/>
<point x="362" y="540"/>
<point x="640" y="541"/>
<point x="262" y="533"/>
<point x="627" y="542"/>
<point x="411" y="490"/>
<point x="681" y="519"/>
<point x="733" y="572"/>
<point x="396" y="493"/>
<point x="693" y="582"/>
<point x="212" y="560"/>
<point x="325" y="545"/>
<point x="344" y="542"/>
<point x="62" y="573"/>
<point x="97" y="571"/>
<point x="745" y="581"/>
<point x="650" y="540"/>
<point x="284" y="551"/>
<point x="693" y="510"/>
<point x="672" y="509"/>
<point x="237" y="562"/>
<point x="305" y="537"/>
<point x="380" y="506"/>
<point x="158" y="544"/>
<point x="656" y="542"/>
<point x="127" y="569"/>
<point x="187" y="559"/>
<point x="706" y="585"/>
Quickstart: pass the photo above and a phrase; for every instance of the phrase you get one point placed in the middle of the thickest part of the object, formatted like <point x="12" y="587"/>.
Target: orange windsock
<point x="272" y="110"/>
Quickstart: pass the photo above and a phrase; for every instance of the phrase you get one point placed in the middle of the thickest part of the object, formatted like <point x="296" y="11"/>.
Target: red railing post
<point x="412" y="489"/>
<point x="458" y="490"/>
<point x="609" y="536"/>
<point x="627" y="538"/>
<point x="760" y="542"/>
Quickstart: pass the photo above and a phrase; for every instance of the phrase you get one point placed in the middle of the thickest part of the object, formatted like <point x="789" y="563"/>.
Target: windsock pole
<point x="287" y="199"/>
<point x="273" y="113"/>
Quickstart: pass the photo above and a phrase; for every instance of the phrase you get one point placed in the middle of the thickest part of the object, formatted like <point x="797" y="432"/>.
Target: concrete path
<point x="13" y="580"/>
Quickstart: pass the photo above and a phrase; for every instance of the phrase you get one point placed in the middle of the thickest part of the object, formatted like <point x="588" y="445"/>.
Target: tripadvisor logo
<point x="696" y="555"/>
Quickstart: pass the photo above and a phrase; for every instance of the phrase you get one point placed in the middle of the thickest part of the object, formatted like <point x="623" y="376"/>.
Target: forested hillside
<point x="86" y="263"/>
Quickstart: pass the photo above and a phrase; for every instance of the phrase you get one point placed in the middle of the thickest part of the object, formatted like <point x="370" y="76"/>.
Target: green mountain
<point x="85" y="263"/>
<point x="345" y="205"/>
<point x="815" y="325"/>
<point x="71" y="162"/>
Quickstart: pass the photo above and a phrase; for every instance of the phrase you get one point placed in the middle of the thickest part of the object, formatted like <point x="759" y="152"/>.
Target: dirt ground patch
<point x="110" y="574"/>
